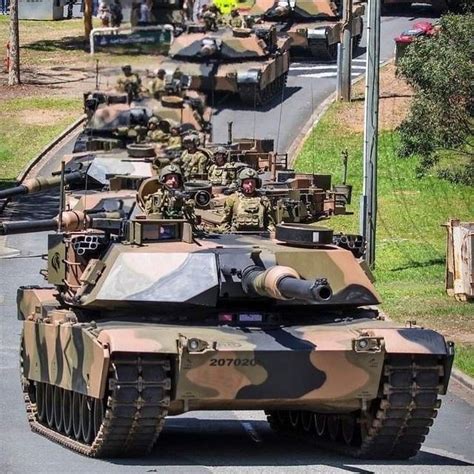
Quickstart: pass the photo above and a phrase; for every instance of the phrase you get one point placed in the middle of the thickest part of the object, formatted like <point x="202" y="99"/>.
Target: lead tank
<point x="314" y="26"/>
<point x="125" y="335"/>
<point x="251" y="64"/>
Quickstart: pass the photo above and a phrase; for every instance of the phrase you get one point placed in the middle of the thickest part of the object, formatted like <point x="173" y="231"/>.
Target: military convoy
<point x="251" y="64"/>
<point x="314" y="26"/>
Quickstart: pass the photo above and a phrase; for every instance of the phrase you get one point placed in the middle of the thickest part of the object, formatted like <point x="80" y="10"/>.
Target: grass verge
<point x="27" y="125"/>
<point x="411" y="238"/>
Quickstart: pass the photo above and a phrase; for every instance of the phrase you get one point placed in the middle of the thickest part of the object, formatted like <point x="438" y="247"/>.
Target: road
<point x="208" y="441"/>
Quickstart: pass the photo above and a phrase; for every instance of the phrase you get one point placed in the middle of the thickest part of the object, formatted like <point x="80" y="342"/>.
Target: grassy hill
<point x="410" y="234"/>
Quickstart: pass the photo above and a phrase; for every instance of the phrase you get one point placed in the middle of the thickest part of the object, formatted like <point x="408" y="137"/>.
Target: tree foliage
<point x="441" y="71"/>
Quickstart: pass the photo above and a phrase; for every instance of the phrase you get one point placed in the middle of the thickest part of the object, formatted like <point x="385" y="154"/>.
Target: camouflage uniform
<point x="194" y="164"/>
<point x="157" y="87"/>
<point x="129" y="81"/>
<point x="221" y="175"/>
<point x="247" y="213"/>
<point x="236" y="21"/>
<point x="174" y="141"/>
<point x="157" y="136"/>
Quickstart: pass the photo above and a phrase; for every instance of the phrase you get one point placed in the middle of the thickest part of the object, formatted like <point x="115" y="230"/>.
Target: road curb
<point x="300" y="140"/>
<point x="462" y="378"/>
<point x="35" y="160"/>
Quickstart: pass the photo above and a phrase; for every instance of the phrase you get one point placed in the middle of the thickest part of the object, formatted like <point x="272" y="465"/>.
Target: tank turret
<point x="251" y="64"/>
<point x="314" y="26"/>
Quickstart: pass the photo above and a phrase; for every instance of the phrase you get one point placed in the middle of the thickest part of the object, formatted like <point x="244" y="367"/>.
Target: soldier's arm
<point x="228" y="212"/>
<point x="269" y="221"/>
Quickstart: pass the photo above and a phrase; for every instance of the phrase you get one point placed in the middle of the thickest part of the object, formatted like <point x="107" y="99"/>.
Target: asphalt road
<point x="207" y="441"/>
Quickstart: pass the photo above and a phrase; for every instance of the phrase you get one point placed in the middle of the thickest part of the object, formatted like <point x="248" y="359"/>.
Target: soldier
<point x="247" y="209"/>
<point x="193" y="161"/>
<point x="155" y="131"/>
<point x="129" y="82"/>
<point x="236" y="21"/>
<point x="220" y="173"/>
<point x="169" y="202"/>
<point x="157" y="86"/>
<point x="174" y="141"/>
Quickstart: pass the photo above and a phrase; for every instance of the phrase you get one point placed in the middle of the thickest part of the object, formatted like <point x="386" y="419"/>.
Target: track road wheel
<point x="348" y="428"/>
<point x="77" y="415"/>
<point x="334" y="427"/>
<point x="67" y="412"/>
<point x="98" y="415"/>
<point x="320" y="424"/>
<point x="40" y="407"/>
<point x="86" y="423"/>
<point x="307" y="421"/>
<point x="58" y="408"/>
<point x="49" y="405"/>
<point x="294" y="419"/>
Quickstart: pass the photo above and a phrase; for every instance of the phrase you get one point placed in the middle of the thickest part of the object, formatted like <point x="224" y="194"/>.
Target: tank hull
<point x="104" y="388"/>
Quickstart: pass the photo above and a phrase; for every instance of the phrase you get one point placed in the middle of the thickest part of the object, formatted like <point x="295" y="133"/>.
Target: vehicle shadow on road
<point x="195" y="442"/>
<point x="223" y="103"/>
<point x="43" y="205"/>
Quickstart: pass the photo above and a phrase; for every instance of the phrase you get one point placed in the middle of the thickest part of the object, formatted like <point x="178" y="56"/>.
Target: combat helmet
<point x="249" y="173"/>
<point x="153" y="120"/>
<point x="191" y="138"/>
<point x="171" y="169"/>
<point x="220" y="150"/>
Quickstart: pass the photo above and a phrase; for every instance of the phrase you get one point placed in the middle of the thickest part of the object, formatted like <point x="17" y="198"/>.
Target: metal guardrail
<point x="116" y="31"/>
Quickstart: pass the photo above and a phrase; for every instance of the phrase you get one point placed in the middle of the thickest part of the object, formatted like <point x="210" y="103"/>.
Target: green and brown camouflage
<point x="114" y="123"/>
<point x="253" y="65"/>
<point x="314" y="26"/>
<point x="149" y="319"/>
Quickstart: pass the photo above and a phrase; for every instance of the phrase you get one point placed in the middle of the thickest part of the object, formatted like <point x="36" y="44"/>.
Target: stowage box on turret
<point x="148" y="319"/>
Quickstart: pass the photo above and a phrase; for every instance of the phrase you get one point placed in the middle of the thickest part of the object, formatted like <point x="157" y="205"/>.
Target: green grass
<point x="410" y="237"/>
<point x="465" y="358"/>
<point x="19" y="141"/>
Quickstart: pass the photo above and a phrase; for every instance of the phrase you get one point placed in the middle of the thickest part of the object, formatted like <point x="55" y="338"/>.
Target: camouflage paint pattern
<point x="236" y="57"/>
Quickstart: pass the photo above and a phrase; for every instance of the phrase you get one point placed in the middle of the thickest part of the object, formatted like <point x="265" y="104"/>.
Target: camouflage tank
<point x="252" y="65"/>
<point x="314" y="26"/>
<point x="128" y="336"/>
<point x="114" y="123"/>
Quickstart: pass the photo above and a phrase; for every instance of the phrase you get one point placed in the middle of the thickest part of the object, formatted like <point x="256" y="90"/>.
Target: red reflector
<point x="226" y="318"/>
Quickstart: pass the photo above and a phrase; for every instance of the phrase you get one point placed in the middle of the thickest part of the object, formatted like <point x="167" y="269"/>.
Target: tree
<point x="14" y="64"/>
<point x="441" y="71"/>
<point x="88" y="10"/>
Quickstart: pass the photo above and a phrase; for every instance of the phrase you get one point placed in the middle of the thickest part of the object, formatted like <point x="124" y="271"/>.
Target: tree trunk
<point x="88" y="10"/>
<point x="14" y="65"/>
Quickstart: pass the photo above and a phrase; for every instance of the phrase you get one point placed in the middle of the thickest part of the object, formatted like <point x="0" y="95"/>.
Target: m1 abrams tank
<point x="128" y="335"/>
<point x="252" y="65"/>
<point x="111" y="116"/>
<point x="314" y="26"/>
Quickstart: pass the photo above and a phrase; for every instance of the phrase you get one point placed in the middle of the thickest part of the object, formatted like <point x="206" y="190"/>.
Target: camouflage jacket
<point x="124" y="81"/>
<point x="194" y="165"/>
<point x="221" y="175"/>
<point x="156" y="87"/>
<point x="157" y="136"/>
<point x="243" y="213"/>
<point x="169" y="205"/>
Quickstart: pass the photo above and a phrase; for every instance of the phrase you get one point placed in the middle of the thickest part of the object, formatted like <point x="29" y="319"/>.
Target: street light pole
<point x="346" y="49"/>
<point x="368" y="210"/>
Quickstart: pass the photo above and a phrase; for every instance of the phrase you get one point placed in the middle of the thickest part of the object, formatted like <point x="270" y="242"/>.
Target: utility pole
<point x="88" y="10"/>
<point x="346" y="61"/>
<point x="14" y="63"/>
<point x="368" y="208"/>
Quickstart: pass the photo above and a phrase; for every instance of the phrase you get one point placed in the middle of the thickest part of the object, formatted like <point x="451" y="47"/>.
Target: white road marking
<point x="310" y="68"/>
<point x="325" y="74"/>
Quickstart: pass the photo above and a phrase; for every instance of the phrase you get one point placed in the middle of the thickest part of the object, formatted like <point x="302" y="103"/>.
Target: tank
<point x="125" y="335"/>
<point x="314" y="26"/>
<point x="250" y="64"/>
<point x="110" y="117"/>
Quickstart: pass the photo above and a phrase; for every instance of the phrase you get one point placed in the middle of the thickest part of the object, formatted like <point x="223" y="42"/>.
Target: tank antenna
<point x="229" y="133"/>
<point x="345" y="159"/>
<point x="61" y="197"/>
<point x="96" y="74"/>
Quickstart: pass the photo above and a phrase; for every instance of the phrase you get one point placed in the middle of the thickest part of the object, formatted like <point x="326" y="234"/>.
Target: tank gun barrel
<point x="70" y="221"/>
<point x="41" y="183"/>
<point x="284" y="283"/>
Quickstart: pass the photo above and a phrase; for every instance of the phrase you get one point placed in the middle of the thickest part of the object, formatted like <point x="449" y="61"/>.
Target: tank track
<point x="251" y="96"/>
<point x="394" y="426"/>
<point x="126" y="422"/>
<point x="322" y="50"/>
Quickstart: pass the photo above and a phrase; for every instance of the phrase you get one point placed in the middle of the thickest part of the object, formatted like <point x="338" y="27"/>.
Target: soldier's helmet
<point x="127" y="69"/>
<point x="249" y="173"/>
<point x="220" y="150"/>
<point x="161" y="72"/>
<point x="234" y="13"/>
<point x="153" y="121"/>
<point x="191" y="139"/>
<point x="171" y="169"/>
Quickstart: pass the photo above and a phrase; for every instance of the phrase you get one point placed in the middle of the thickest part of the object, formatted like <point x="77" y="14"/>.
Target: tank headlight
<point x="193" y="345"/>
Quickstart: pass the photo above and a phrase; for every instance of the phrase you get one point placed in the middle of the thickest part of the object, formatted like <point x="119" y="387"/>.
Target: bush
<point x="441" y="71"/>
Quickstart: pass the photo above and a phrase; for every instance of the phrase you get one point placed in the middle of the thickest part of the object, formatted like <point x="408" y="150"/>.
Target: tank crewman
<point x="247" y="209"/>
<point x="169" y="202"/>
<point x="157" y="86"/>
<point x="129" y="81"/>
<point x="236" y="21"/>
<point x="212" y="18"/>
<point x="155" y="131"/>
<point x="174" y="140"/>
<point x="193" y="161"/>
<point x="221" y="172"/>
